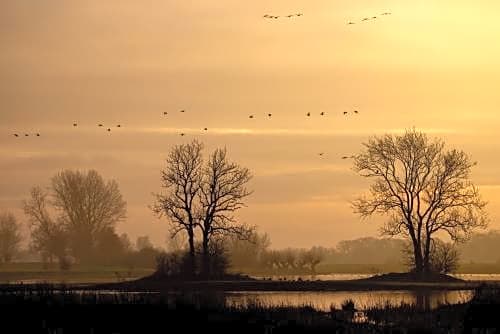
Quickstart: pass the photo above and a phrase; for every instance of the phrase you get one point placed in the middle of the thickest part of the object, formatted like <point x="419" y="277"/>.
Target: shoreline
<point x="255" y="285"/>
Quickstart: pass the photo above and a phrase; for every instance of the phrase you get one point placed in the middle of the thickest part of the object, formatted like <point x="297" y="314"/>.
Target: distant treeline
<point x="480" y="254"/>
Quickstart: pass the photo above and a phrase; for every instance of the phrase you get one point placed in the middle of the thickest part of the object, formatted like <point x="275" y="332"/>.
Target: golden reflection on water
<point x="363" y="299"/>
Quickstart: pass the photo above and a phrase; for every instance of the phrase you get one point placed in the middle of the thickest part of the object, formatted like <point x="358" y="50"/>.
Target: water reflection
<point x="362" y="299"/>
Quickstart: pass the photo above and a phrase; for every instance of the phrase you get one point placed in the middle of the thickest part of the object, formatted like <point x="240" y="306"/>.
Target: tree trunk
<point x="417" y="254"/>
<point x="419" y="265"/>
<point x="206" y="256"/>
<point x="192" y="254"/>
<point x="427" y="250"/>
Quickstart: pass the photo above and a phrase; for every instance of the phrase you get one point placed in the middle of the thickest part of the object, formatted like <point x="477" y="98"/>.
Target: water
<point x="322" y="301"/>
<point x="478" y="277"/>
<point x="363" y="299"/>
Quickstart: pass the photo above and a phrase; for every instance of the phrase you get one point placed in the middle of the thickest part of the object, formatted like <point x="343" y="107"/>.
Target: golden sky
<point x="434" y="65"/>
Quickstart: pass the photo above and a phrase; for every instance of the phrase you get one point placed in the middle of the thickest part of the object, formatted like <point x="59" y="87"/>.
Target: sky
<point x="432" y="65"/>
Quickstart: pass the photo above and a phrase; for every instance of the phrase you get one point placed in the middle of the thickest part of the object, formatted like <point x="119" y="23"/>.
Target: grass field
<point x="34" y="271"/>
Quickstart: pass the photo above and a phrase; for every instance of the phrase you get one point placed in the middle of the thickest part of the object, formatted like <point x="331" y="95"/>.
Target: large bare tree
<point x="181" y="180"/>
<point x="48" y="236"/>
<point x="87" y="205"/>
<point x="83" y="205"/>
<point x="10" y="236"/>
<point x="202" y="197"/>
<point x="223" y="191"/>
<point x="422" y="188"/>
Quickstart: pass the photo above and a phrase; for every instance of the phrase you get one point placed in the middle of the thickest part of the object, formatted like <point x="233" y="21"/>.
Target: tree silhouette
<point x="85" y="206"/>
<point x="48" y="237"/>
<point x="222" y="193"/>
<point x="423" y="188"/>
<point x="10" y="237"/>
<point x="202" y="197"/>
<point x="88" y="205"/>
<point x="181" y="178"/>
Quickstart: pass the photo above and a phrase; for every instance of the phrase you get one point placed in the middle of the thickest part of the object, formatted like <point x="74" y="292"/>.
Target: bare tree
<point x="10" y="237"/>
<point x="423" y="188"/>
<point x="290" y="258"/>
<point x="313" y="257"/>
<point x="202" y="197"/>
<point x="87" y="205"/>
<point x="223" y="190"/>
<point x="181" y="178"/>
<point x="444" y="257"/>
<point x="83" y="204"/>
<point x="47" y="236"/>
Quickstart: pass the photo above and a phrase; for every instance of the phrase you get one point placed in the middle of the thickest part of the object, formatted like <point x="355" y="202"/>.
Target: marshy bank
<point x="132" y="312"/>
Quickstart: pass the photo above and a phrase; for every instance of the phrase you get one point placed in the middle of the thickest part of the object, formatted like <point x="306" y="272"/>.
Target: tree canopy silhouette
<point x="181" y="179"/>
<point x="223" y="189"/>
<point x="85" y="205"/>
<point x="48" y="236"/>
<point x="10" y="236"/>
<point x="202" y="197"/>
<point x="423" y="188"/>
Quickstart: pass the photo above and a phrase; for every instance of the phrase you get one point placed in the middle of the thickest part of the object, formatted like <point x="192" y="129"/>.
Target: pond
<point x="362" y="299"/>
<point x="319" y="300"/>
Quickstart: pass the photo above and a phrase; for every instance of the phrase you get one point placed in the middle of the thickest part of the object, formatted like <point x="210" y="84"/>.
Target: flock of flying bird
<point x="269" y="115"/>
<point x="165" y="113"/>
<point x="365" y="19"/>
<point x="267" y="16"/>
<point x="74" y="125"/>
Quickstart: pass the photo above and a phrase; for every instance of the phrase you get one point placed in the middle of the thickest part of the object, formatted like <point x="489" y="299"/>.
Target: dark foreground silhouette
<point x="43" y="310"/>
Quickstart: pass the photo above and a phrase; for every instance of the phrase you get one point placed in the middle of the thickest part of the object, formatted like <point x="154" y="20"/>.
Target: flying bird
<point x="182" y="134"/>
<point x="386" y="13"/>
<point x="26" y="135"/>
<point x="348" y="157"/>
<point x="99" y="125"/>
<point x="74" y="124"/>
<point x="374" y="17"/>
<point x="365" y="19"/>
<point x="165" y="113"/>
<point x="251" y="116"/>
<point x="299" y="14"/>
<point x="322" y="113"/>
<point x="206" y="129"/>
<point x="109" y="129"/>
<point x="356" y="112"/>
<point x="16" y="135"/>
<point x="182" y="110"/>
<point x="38" y="135"/>
<point x="119" y="126"/>
<point x="269" y="115"/>
<point x="291" y="15"/>
<point x="345" y="112"/>
<point x="308" y="114"/>
<point x="350" y="22"/>
<point x="321" y="154"/>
